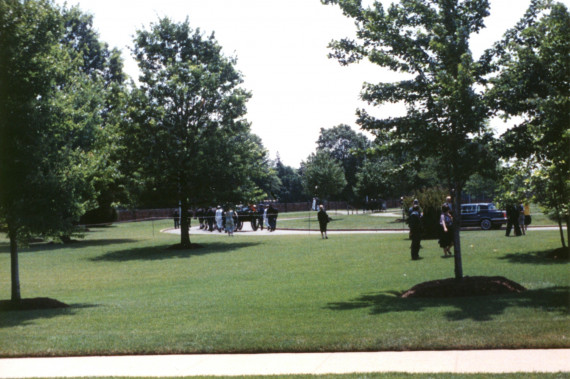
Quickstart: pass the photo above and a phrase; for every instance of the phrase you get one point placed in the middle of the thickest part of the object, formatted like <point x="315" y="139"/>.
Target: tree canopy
<point x="187" y="129"/>
<point x="291" y="189"/>
<point x="323" y="176"/>
<point x="348" y="148"/>
<point x="428" y="42"/>
<point x="533" y="82"/>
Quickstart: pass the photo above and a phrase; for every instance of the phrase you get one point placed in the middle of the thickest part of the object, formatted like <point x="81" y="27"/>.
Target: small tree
<point x="428" y="40"/>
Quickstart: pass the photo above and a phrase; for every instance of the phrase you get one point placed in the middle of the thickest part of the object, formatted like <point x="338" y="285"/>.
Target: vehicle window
<point x="492" y="207"/>
<point x="483" y="207"/>
<point x="468" y="208"/>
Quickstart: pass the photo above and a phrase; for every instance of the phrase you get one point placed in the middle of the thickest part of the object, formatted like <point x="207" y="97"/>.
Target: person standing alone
<point x="324" y="219"/>
<point x="415" y="224"/>
<point x="446" y="238"/>
<point x="513" y="212"/>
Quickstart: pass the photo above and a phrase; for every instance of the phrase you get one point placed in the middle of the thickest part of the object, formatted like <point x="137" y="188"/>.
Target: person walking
<point x="446" y="230"/>
<point x="415" y="223"/>
<point x="324" y="219"/>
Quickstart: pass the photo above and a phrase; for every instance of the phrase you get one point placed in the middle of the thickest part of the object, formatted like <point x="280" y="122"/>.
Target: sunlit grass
<point x="391" y="219"/>
<point x="341" y="220"/>
<point x="129" y="294"/>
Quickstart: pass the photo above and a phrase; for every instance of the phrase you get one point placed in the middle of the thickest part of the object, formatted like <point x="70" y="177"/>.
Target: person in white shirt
<point x="219" y="218"/>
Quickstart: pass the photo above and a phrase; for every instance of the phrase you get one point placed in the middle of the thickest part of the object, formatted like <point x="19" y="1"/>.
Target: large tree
<point x="372" y="180"/>
<point x="428" y="42"/>
<point x="291" y="189"/>
<point x="187" y="131"/>
<point x="323" y="176"/>
<point x="534" y="83"/>
<point x="45" y="107"/>
<point x="106" y="81"/>
<point x="348" y="148"/>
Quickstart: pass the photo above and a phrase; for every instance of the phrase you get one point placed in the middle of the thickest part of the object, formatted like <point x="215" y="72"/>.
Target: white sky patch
<point x="281" y="48"/>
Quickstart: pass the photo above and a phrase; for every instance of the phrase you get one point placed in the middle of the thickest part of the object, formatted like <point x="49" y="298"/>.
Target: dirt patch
<point x="468" y="286"/>
<point x="36" y="303"/>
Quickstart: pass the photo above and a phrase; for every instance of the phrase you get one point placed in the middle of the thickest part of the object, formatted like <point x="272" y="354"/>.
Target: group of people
<point x="446" y="236"/>
<point x="518" y="217"/>
<point x="216" y="218"/>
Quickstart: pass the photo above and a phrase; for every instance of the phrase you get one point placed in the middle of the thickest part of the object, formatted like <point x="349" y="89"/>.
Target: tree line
<point x="78" y="137"/>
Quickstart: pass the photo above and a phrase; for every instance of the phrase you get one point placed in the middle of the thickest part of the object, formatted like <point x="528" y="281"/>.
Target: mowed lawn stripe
<point x="130" y="294"/>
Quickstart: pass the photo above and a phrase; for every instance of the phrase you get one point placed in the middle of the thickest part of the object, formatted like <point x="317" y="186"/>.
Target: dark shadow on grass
<point x="545" y="257"/>
<point x="13" y="318"/>
<point x="76" y="244"/>
<point x="162" y="252"/>
<point x="477" y="308"/>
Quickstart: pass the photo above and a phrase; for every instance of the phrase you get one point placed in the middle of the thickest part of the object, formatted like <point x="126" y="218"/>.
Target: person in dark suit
<point x="272" y="213"/>
<point x="324" y="219"/>
<point x="513" y="213"/>
<point x="176" y="217"/>
<point x="415" y="223"/>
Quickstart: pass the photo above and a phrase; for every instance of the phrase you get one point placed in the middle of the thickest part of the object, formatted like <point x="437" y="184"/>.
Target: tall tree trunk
<point x="560" y="225"/>
<point x="561" y="229"/>
<point x="567" y="230"/>
<point x="456" y="230"/>
<point x="184" y="225"/>
<point x="14" y="266"/>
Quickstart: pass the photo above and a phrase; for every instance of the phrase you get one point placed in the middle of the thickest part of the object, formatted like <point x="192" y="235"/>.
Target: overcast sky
<point x="281" y="46"/>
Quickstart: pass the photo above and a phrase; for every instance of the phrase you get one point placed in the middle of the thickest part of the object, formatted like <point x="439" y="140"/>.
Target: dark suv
<point x="485" y="215"/>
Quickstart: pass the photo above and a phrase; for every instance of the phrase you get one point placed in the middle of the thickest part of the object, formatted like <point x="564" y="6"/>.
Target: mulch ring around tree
<point x="36" y="303"/>
<point x="562" y="253"/>
<point x="468" y="286"/>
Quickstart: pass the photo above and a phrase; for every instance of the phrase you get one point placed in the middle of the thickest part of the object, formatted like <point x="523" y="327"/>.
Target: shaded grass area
<point x="277" y="294"/>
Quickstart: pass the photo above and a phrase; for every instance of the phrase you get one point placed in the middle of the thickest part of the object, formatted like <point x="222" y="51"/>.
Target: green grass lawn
<point x="340" y="220"/>
<point x="360" y="220"/>
<point x="130" y="294"/>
